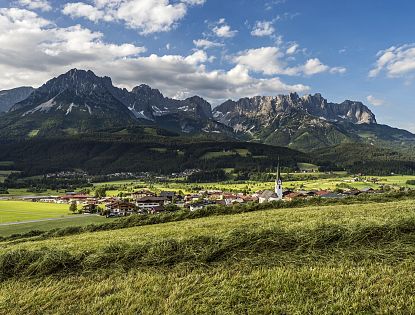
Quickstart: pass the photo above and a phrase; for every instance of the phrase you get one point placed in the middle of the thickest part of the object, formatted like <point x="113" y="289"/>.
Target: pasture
<point x="47" y="225"/>
<point x="15" y="211"/>
<point x="303" y="181"/>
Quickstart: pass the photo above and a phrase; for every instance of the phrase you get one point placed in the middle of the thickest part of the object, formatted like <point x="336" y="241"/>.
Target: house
<point x="368" y="190"/>
<point x="142" y="193"/>
<point x="268" y="196"/>
<point x="150" y="203"/>
<point x="77" y="198"/>
<point x="168" y="195"/>
<point x="120" y="208"/>
<point x="295" y="195"/>
<point x="90" y="208"/>
<point x="331" y="195"/>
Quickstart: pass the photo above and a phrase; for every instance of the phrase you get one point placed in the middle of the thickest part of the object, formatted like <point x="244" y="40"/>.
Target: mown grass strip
<point x="201" y="250"/>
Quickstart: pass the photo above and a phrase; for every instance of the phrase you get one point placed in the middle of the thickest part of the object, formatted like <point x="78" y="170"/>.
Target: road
<point x="43" y="220"/>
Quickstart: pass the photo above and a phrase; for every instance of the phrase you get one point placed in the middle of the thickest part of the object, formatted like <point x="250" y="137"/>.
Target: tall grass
<point x="205" y="250"/>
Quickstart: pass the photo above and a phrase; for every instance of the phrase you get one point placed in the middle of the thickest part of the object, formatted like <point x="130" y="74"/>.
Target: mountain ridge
<point x="79" y="101"/>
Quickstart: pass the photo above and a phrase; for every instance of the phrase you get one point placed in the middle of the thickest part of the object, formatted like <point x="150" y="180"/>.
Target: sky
<point x="361" y="50"/>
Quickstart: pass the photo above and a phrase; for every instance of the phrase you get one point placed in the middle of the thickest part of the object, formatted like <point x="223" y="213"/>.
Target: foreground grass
<point x="354" y="259"/>
<point x="14" y="211"/>
<point x="322" y="288"/>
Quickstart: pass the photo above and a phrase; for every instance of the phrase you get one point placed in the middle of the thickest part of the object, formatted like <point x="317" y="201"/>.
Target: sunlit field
<point x="355" y="259"/>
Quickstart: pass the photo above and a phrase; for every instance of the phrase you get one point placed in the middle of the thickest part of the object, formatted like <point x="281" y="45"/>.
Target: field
<point x="47" y="225"/>
<point x="355" y="259"/>
<point x="307" y="181"/>
<point x="15" y="211"/>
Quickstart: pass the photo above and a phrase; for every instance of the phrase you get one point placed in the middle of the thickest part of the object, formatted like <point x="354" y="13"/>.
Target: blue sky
<point x="360" y="50"/>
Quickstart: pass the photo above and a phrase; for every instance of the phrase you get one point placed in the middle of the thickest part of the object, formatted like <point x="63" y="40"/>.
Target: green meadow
<point x="306" y="181"/>
<point x="14" y="211"/>
<point x="342" y="259"/>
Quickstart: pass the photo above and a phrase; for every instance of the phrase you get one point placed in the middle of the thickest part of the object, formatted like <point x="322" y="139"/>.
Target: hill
<point x="369" y="159"/>
<point x="143" y="151"/>
<point x="357" y="257"/>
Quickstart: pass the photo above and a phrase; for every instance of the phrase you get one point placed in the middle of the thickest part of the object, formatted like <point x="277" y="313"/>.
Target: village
<point x="146" y="201"/>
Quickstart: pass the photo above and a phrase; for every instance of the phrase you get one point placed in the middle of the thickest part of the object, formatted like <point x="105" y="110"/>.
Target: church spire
<point x="278" y="182"/>
<point x="278" y="170"/>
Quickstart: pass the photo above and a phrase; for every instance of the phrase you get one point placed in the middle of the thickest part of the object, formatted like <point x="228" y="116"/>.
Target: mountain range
<point x="80" y="102"/>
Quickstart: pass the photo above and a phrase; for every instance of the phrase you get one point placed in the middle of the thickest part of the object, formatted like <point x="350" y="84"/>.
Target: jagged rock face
<point x="76" y="101"/>
<point x="79" y="101"/>
<point x="292" y="120"/>
<point x="8" y="98"/>
<point x="354" y="112"/>
<point x="267" y="108"/>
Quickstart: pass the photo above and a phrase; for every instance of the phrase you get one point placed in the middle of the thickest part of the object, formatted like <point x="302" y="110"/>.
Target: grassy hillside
<point x="333" y="259"/>
<point x="109" y="153"/>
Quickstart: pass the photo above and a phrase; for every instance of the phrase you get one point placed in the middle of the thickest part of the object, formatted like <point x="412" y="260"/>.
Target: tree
<point x="73" y="207"/>
<point x="100" y="192"/>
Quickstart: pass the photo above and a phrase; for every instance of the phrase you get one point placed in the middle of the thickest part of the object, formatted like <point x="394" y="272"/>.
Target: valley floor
<point x="355" y="259"/>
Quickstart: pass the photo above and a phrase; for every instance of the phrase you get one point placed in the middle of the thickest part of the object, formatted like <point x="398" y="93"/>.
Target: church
<point x="277" y="194"/>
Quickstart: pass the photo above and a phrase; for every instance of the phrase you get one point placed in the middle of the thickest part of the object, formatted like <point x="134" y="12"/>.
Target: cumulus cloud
<point x="273" y="61"/>
<point x="222" y="29"/>
<point x="375" y="101"/>
<point x="80" y="9"/>
<point x="395" y="62"/>
<point x="292" y="49"/>
<point x="263" y="28"/>
<point x="43" y="5"/>
<point x="146" y="16"/>
<point x="314" y="66"/>
<point x="206" y="44"/>
<point x="33" y="50"/>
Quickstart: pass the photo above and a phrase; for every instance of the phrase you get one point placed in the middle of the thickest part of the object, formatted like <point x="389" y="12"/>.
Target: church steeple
<point x="278" y="182"/>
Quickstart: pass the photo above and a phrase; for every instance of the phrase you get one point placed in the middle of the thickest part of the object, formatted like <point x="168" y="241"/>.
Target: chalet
<point x="121" y="208"/>
<point x="268" y="196"/>
<point x="368" y="190"/>
<point x="79" y="198"/>
<point x="142" y="194"/>
<point x="90" y="208"/>
<point x="150" y="203"/>
<point x="168" y="195"/>
<point x="331" y="195"/>
<point x="295" y="195"/>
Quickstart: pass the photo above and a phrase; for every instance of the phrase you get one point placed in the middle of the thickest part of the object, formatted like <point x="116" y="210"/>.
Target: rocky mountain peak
<point x="8" y="98"/>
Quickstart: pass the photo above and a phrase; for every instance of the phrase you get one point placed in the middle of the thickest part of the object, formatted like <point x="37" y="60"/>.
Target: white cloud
<point x="263" y="28"/>
<point x="80" y="9"/>
<point x="206" y="44"/>
<point x="375" y="101"/>
<point x="146" y="16"/>
<point x="395" y="62"/>
<point x="33" y="50"/>
<point x="292" y="49"/>
<point x="338" y="70"/>
<point x="273" y="61"/>
<point x="314" y="66"/>
<point x="43" y="5"/>
<point x="222" y="29"/>
<point x="267" y="60"/>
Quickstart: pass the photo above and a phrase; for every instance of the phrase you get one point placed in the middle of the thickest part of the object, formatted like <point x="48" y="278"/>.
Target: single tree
<point x="73" y="208"/>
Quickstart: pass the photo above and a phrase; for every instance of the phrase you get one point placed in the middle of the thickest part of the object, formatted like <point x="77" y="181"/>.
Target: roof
<point x="267" y="194"/>
<point x="149" y="199"/>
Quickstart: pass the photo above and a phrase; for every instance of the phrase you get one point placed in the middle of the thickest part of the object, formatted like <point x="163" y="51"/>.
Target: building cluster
<point x="147" y="202"/>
